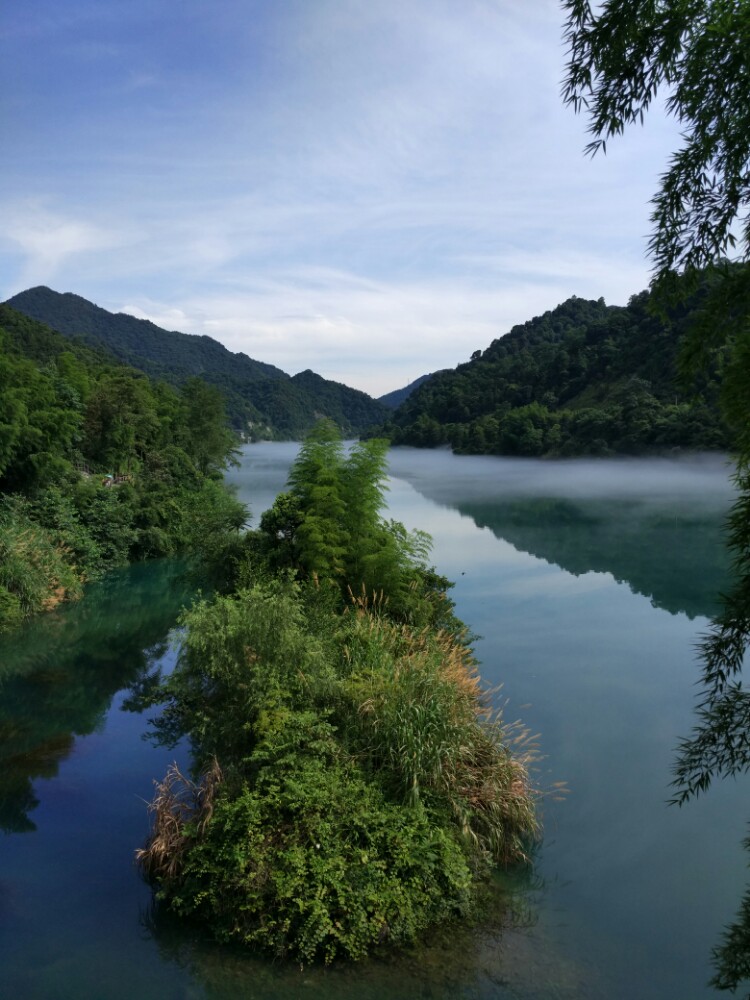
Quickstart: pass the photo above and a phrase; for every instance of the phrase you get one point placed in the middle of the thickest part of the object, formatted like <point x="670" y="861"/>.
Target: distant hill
<point x="396" y="398"/>
<point x="584" y="378"/>
<point x="262" y="400"/>
<point x="37" y="342"/>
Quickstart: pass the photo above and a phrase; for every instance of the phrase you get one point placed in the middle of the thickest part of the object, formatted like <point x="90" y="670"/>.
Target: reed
<point x="181" y="809"/>
<point x="425" y="722"/>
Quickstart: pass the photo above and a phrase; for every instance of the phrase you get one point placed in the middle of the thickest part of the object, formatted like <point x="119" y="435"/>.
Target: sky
<point x="373" y="189"/>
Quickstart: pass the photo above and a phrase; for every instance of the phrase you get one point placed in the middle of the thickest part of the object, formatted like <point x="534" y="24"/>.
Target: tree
<point x="121" y="423"/>
<point x="315" y="480"/>
<point x="620" y="57"/>
<point x="39" y="425"/>
<point x="209" y="442"/>
<point x="329" y="528"/>
<point x="363" y="490"/>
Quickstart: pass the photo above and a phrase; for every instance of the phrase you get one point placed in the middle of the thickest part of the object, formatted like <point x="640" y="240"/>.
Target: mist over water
<point x="259" y="481"/>
<point x="695" y="481"/>
<point x="655" y="524"/>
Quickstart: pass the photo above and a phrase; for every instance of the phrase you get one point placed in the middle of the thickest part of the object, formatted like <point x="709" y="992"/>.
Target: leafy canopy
<point x="584" y="378"/>
<point x="71" y="417"/>
<point x="621" y="55"/>
<point x="329" y="526"/>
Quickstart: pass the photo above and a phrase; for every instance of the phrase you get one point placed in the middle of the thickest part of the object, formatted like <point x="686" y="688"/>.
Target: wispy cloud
<point x="370" y="190"/>
<point x="48" y="240"/>
<point x="375" y="335"/>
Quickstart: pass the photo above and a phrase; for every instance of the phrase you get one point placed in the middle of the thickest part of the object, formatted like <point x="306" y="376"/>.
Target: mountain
<point x="129" y="337"/>
<point x="262" y="400"/>
<point x="66" y="404"/>
<point x="396" y="398"/>
<point x="584" y="378"/>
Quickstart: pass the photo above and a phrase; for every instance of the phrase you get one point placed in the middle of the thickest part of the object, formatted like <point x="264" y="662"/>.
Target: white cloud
<point x="370" y="190"/>
<point x="47" y="239"/>
<point x="377" y="335"/>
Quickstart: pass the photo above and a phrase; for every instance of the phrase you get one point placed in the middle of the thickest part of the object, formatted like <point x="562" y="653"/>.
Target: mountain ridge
<point x="262" y="400"/>
<point x="584" y="378"/>
<point x="395" y="398"/>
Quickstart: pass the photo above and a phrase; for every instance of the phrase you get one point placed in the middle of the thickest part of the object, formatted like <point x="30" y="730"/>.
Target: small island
<point x="352" y="784"/>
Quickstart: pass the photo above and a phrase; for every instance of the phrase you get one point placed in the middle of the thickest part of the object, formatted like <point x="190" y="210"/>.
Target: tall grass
<point x="425" y="723"/>
<point x="35" y="572"/>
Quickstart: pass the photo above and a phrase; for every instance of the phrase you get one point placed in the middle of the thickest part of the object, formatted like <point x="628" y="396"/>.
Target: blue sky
<point x="369" y="188"/>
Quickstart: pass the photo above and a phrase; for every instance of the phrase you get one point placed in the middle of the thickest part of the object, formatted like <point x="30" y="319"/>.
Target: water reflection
<point x="677" y="560"/>
<point x="731" y="959"/>
<point x="59" y="674"/>
<point x="492" y="960"/>
<point x="656" y="526"/>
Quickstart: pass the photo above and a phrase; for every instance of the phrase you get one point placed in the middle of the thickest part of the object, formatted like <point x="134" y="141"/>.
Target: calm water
<point x="588" y="581"/>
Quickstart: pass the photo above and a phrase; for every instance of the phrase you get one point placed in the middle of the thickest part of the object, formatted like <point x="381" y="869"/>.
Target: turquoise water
<point x="588" y="582"/>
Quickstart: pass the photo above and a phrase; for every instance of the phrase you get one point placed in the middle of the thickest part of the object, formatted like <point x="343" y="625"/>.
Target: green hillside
<point x="396" y="398"/>
<point x="99" y="466"/>
<point x="584" y="378"/>
<point x="262" y="400"/>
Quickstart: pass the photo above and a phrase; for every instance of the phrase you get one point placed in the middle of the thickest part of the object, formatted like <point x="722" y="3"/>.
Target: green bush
<point x="34" y="569"/>
<point x="365" y="789"/>
<point x="56" y="512"/>
<point x="310" y="860"/>
<point x="11" y="613"/>
<point x="108" y="515"/>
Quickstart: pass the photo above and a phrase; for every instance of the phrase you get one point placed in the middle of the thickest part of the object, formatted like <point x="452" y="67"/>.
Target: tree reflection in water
<point x="59" y="674"/>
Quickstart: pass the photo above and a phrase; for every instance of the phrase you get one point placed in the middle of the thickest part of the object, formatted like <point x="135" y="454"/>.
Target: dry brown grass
<point x="177" y="802"/>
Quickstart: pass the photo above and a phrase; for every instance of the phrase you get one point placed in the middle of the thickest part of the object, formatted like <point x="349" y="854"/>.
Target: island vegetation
<point x="352" y="784"/>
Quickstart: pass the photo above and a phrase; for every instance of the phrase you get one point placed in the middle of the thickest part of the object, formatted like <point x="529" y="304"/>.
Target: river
<point x="588" y="582"/>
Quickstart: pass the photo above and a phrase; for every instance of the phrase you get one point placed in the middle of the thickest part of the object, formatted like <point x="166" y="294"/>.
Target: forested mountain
<point x="262" y="400"/>
<point x="99" y="466"/>
<point x="397" y="397"/>
<point x="584" y="378"/>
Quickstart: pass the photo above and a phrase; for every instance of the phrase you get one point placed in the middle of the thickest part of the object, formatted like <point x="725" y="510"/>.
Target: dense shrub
<point x="36" y="570"/>
<point x="365" y="788"/>
<point x="310" y="859"/>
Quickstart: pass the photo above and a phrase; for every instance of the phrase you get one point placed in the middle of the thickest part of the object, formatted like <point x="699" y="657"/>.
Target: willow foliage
<point x="622" y="53"/>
